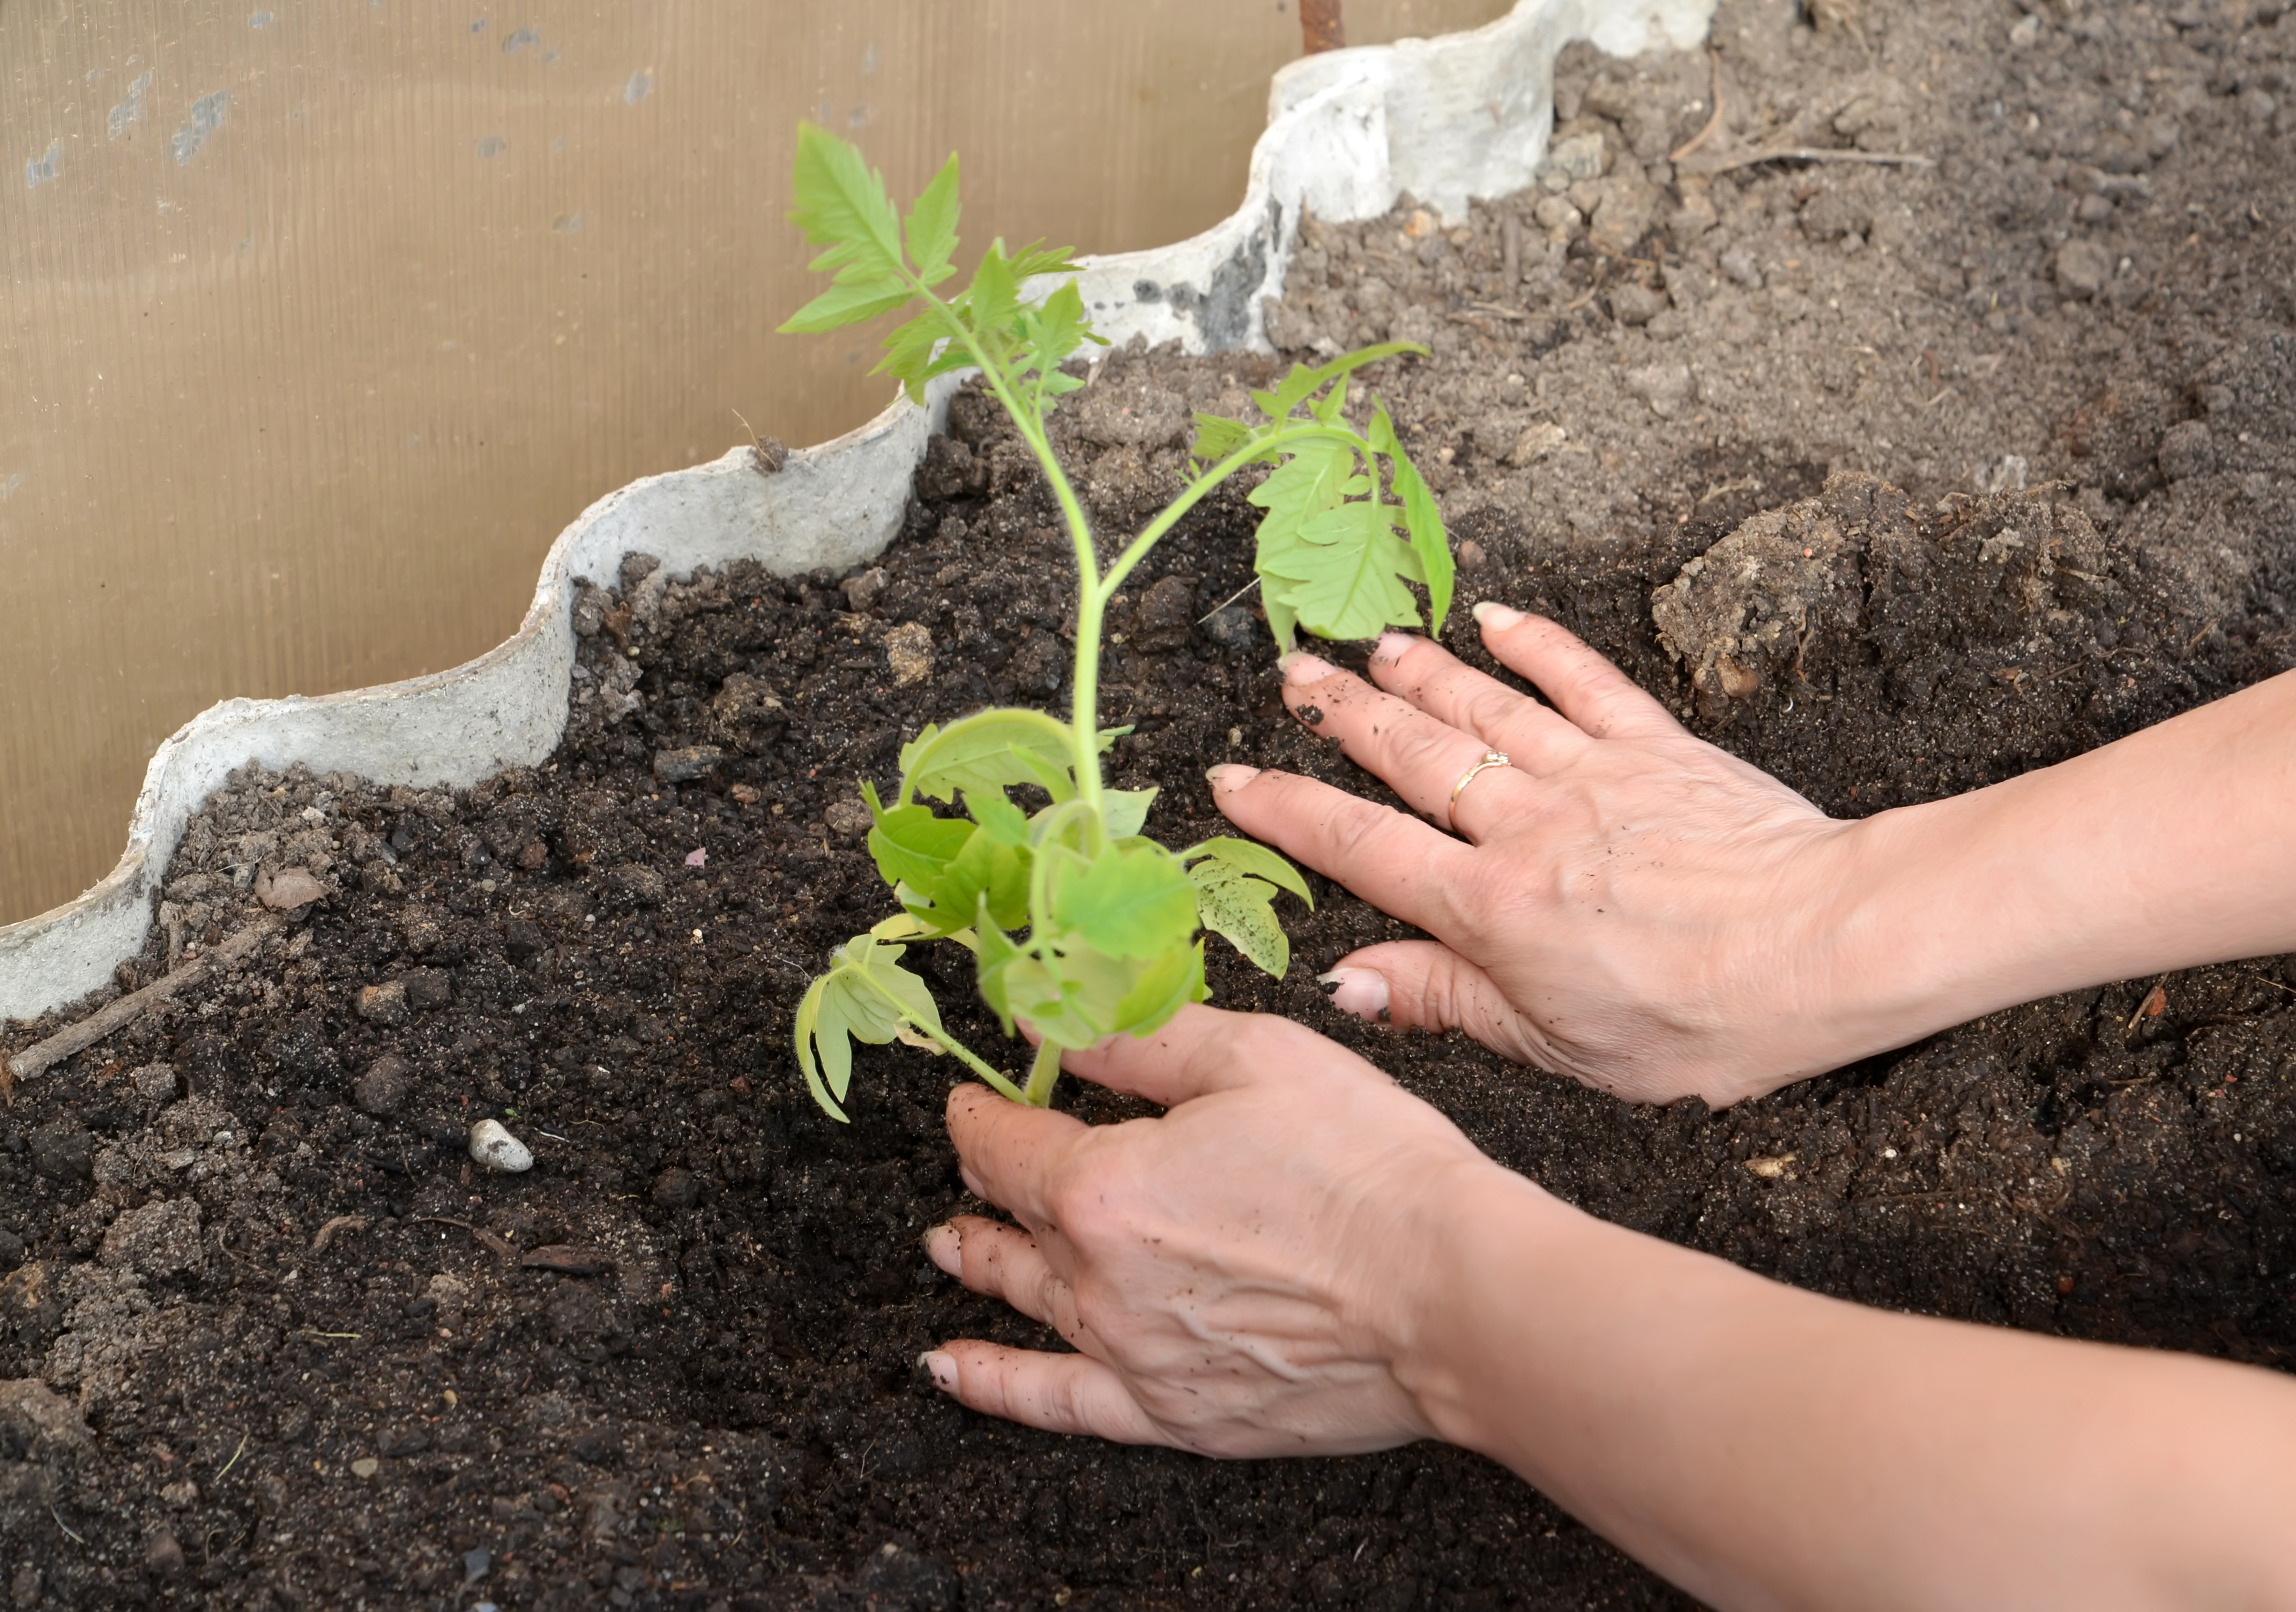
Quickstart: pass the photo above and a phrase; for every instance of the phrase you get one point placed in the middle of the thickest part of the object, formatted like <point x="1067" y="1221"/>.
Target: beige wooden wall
<point x="319" y="321"/>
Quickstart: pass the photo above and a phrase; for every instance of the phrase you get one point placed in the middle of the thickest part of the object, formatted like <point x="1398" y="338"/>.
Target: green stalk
<point x="1041" y="1074"/>
<point x="964" y="1054"/>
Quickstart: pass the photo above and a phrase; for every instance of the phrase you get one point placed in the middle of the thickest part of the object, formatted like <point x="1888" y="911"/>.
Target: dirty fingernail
<point x="1496" y="617"/>
<point x="945" y="1246"/>
<point x="1362" y="992"/>
<point x="942" y="1367"/>
<point x="1229" y="777"/>
<point x="1393" y="646"/>
<point x="1299" y="666"/>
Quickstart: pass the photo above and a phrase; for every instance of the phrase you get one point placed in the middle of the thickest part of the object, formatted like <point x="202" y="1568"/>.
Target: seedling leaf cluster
<point x="1080" y="926"/>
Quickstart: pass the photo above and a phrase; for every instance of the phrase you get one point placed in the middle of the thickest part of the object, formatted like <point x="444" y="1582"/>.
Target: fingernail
<point x="942" y="1367"/>
<point x="1299" y="666"/>
<point x="1393" y="647"/>
<point x="945" y="1246"/>
<point x="972" y="1183"/>
<point x="1230" y="776"/>
<point x="1362" y="992"/>
<point x="1494" y="616"/>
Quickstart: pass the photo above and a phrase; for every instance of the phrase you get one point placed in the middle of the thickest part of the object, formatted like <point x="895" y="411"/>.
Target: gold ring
<point x="1484" y="764"/>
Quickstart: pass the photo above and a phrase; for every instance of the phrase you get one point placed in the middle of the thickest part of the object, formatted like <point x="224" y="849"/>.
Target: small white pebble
<point x="1889" y="1152"/>
<point x="494" y="1148"/>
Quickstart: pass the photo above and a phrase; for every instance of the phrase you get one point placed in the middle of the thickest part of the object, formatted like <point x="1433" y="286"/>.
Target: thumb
<point x="1419" y="984"/>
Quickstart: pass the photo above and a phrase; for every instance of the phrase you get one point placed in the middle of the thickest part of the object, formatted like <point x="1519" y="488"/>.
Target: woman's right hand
<point x="1627" y="904"/>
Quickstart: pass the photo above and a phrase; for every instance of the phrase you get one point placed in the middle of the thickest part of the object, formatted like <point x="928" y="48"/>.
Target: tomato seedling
<point x="1081" y="926"/>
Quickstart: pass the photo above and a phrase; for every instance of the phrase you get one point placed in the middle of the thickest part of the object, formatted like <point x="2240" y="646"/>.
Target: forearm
<point x="1767" y="1447"/>
<point x="2167" y="849"/>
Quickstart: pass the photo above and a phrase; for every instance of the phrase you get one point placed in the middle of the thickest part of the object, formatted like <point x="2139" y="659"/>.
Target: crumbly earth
<point x="269" y="1339"/>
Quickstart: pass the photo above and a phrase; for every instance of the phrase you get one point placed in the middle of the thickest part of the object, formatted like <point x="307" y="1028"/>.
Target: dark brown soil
<point x="251" y="1401"/>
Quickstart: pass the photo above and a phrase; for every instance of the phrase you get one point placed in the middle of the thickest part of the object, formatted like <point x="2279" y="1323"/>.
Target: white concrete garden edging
<point x="1461" y="116"/>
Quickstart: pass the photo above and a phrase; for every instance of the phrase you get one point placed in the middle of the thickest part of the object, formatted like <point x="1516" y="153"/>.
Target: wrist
<point x="1481" y="1224"/>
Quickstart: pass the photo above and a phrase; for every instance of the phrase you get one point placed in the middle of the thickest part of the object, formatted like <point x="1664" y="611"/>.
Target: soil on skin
<point x="272" y="1342"/>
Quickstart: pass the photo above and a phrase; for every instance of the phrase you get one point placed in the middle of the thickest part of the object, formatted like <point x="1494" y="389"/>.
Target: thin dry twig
<point x="1813" y="153"/>
<point x="234" y="1461"/>
<point x="1712" y="123"/>
<point x="43" y="1056"/>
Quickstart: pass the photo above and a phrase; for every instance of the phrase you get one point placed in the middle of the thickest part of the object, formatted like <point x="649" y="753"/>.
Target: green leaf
<point x="1249" y="857"/>
<point x="1129" y="902"/>
<point x="931" y="226"/>
<point x="983" y="872"/>
<point x="841" y="203"/>
<point x="1303" y="383"/>
<point x="1344" y="573"/>
<point x="1003" y="822"/>
<point x="846" y="304"/>
<point x="1124" y="811"/>
<point x="913" y="847"/>
<point x="986" y="752"/>
<point x="993" y="297"/>
<point x="1313" y="479"/>
<point x="1037" y="258"/>
<point x="866" y="995"/>
<point x="993" y="963"/>
<point x="1163" y="988"/>
<point x="1217" y="437"/>
<point x="1421" y="517"/>
<point x="1239" y="908"/>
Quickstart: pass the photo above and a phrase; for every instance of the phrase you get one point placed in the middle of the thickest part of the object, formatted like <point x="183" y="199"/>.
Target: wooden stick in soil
<point x="1321" y="28"/>
<point x="42" y="1056"/>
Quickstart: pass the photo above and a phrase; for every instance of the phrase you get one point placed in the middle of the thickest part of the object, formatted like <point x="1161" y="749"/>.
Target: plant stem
<point x="1202" y="488"/>
<point x="1041" y="1074"/>
<point x="964" y="1054"/>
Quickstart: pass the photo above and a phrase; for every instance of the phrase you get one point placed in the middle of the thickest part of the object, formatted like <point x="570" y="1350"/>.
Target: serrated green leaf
<point x="1005" y="823"/>
<point x="992" y="960"/>
<point x="911" y="846"/>
<point x="1249" y="857"/>
<point x="866" y="995"/>
<point x="846" y="304"/>
<point x="983" y="872"/>
<point x="1429" y="541"/>
<point x="1343" y="573"/>
<point x="1127" y="902"/>
<point x="1037" y="258"/>
<point x="985" y="752"/>
<point x="808" y="1023"/>
<point x="993" y="297"/>
<point x="1162" y="989"/>
<point x="1217" y="437"/>
<point x="841" y="203"/>
<point x="1125" y="810"/>
<point x="931" y="226"/>
<point x="1239" y="908"/>
<point x="1312" y="480"/>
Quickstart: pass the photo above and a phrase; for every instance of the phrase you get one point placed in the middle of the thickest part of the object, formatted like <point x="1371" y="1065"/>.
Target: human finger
<point x="1402" y="866"/>
<point x="1005" y="1262"/>
<point x="1422" y="985"/>
<point x="1421" y="758"/>
<point x="1058" y="1392"/>
<point x="1600" y="698"/>
<point x="1007" y="1150"/>
<point x="1427" y="675"/>
<point x="1194" y="1054"/>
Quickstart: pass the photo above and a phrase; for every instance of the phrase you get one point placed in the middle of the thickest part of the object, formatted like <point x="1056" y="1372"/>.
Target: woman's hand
<point x="1629" y="906"/>
<point x="1228" y="1294"/>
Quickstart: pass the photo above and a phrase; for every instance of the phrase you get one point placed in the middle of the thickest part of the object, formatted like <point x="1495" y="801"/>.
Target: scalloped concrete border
<point x="1460" y="116"/>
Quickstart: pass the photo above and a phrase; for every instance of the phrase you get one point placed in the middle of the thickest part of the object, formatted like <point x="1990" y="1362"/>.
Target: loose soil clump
<point x="1894" y="480"/>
